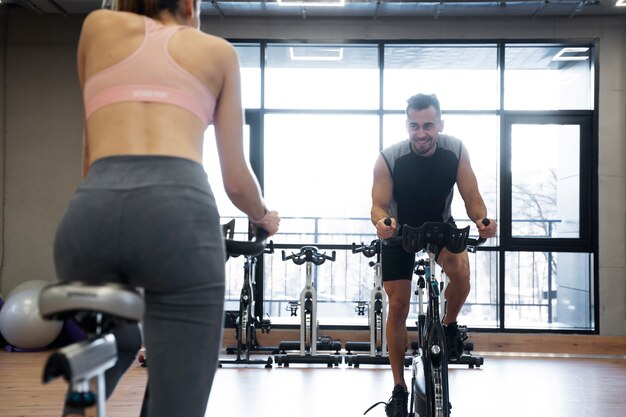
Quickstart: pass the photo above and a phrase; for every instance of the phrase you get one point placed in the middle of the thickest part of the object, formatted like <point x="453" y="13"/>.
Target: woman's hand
<point x="270" y="222"/>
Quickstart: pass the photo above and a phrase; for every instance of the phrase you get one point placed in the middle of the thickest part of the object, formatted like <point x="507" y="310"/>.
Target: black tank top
<point x="423" y="186"/>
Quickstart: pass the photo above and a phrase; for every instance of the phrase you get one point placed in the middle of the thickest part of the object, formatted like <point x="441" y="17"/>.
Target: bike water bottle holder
<point x="292" y="307"/>
<point x="360" y="307"/>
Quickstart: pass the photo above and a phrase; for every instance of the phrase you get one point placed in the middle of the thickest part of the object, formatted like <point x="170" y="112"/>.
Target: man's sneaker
<point x="398" y="403"/>
<point x="454" y="341"/>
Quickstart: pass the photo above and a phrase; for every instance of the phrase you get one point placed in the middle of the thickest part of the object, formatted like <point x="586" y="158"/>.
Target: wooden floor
<point x="505" y="386"/>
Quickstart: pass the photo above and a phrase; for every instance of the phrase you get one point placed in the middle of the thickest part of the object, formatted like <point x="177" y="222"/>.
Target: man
<point x="413" y="184"/>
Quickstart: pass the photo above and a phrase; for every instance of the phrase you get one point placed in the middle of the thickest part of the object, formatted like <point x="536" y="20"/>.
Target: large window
<point x="304" y="76"/>
<point x="548" y="77"/>
<point x="543" y="192"/>
<point x="523" y="111"/>
<point x="464" y="77"/>
<point x="318" y="170"/>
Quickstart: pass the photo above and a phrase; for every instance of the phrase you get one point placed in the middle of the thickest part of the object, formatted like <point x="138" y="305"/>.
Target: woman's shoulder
<point x="214" y="42"/>
<point x="207" y="45"/>
<point x="103" y="20"/>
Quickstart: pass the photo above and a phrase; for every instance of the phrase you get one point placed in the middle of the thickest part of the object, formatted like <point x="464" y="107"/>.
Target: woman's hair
<point x="423" y="101"/>
<point x="148" y="8"/>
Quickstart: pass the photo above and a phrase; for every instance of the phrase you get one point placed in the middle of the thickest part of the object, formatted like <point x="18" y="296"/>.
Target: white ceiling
<point x="372" y="9"/>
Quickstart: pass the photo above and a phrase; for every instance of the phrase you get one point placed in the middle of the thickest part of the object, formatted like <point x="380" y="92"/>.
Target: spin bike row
<point x="311" y="348"/>
<point x="100" y="309"/>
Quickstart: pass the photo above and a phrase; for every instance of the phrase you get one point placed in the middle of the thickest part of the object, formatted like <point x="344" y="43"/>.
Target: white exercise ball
<point x="35" y="284"/>
<point x="21" y="325"/>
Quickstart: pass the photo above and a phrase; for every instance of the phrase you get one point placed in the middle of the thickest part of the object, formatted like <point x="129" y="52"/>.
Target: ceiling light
<point x="321" y="54"/>
<point x="567" y="54"/>
<point x="312" y="3"/>
<point x="620" y="3"/>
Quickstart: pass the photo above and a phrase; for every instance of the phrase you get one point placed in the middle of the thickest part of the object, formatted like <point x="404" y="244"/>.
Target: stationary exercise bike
<point x="430" y="396"/>
<point x="247" y="322"/>
<point x="98" y="310"/>
<point x="377" y="306"/>
<point x="309" y="343"/>
<point x="422" y="270"/>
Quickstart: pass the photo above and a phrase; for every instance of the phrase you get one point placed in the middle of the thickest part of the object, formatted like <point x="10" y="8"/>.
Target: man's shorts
<point x="397" y="263"/>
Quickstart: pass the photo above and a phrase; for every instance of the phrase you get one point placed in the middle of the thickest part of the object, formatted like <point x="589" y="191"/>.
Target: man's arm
<point x="382" y="194"/>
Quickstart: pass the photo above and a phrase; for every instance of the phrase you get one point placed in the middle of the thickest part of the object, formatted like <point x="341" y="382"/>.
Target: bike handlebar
<point x="309" y="254"/>
<point x="435" y="236"/>
<point x="367" y="250"/>
<point x="249" y="248"/>
<point x="479" y="241"/>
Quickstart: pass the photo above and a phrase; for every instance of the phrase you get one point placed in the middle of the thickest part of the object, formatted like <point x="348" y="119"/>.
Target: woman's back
<point x="138" y="124"/>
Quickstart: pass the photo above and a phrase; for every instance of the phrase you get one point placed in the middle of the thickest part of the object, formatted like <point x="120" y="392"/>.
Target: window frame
<point x="584" y="242"/>
<point x="505" y="243"/>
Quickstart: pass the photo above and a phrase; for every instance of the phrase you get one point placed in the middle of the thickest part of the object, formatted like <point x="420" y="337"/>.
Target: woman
<point x="145" y="214"/>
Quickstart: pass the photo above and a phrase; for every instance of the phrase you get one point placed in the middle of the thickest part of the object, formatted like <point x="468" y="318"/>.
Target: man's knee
<point x="456" y="267"/>
<point x="399" y="309"/>
<point x="460" y="276"/>
<point x="399" y="296"/>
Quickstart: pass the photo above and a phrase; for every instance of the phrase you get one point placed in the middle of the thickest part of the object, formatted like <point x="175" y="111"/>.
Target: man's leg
<point x="456" y="268"/>
<point x="399" y="293"/>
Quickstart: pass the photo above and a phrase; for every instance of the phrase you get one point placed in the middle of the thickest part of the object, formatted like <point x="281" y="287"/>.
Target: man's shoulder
<point x="397" y="148"/>
<point x="450" y="143"/>
<point x="443" y="137"/>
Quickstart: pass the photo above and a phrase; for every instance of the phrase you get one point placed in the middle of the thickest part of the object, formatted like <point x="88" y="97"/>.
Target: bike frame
<point x="308" y="319"/>
<point x="307" y="346"/>
<point x="246" y="320"/>
<point x="430" y="391"/>
<point x="378" y="314"/>
<point x="430" y="395"/>
<point x="378" y="300"/>
<point x="246" y="309"/>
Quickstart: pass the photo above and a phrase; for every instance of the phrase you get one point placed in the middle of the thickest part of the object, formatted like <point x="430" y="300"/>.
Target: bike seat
<point x="60" y="301"/>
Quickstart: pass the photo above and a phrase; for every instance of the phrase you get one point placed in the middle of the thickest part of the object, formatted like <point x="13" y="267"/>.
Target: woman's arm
<point x="240" y="184"/>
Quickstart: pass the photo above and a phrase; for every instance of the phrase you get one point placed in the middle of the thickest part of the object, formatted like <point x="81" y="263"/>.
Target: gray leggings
<point x="151" y="222"/>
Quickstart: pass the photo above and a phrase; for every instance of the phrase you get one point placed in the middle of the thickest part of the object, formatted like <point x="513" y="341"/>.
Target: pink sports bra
<point x="150" y="74"/>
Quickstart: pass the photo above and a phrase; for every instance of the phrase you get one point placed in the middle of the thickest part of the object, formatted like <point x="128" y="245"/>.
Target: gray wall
<point x="42" y="140"/>
<point x="3" y="21"/>
<point x="43" y="123"/>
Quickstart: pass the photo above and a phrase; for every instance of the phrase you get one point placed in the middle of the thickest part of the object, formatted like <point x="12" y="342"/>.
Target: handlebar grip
<point x="387" y="222"/>
<point x="355" y="249"/>
<point x="261" y="234"/>
<point x="481" y="240"/>
<point x="246" y="248"/>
